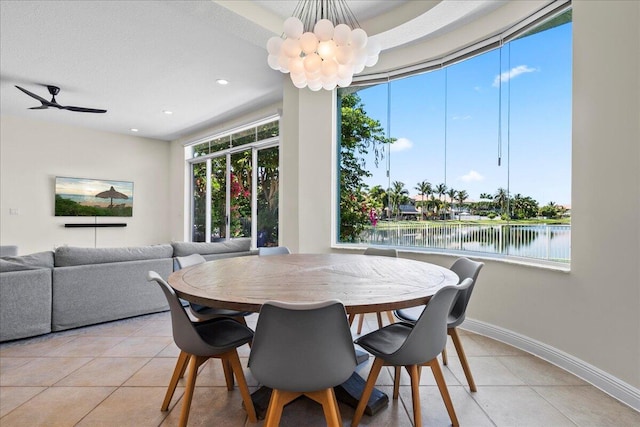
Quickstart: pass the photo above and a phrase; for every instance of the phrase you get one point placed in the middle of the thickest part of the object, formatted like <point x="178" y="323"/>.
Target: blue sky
<point x="529" y="80"/>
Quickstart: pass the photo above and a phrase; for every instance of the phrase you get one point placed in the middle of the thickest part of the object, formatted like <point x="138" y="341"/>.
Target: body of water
<point x="536" y="241"/>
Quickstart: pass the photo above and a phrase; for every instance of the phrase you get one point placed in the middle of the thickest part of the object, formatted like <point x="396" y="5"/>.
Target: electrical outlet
<point x="14" y="211"/>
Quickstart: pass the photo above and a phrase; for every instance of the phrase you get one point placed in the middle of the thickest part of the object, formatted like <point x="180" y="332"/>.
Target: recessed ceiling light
<point x="222" y="82"/>
<point x="133" y="130"/>
<point x="167" y="112"/>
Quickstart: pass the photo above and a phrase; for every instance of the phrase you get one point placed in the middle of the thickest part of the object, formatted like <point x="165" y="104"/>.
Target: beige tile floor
<point x="115" y="374"/>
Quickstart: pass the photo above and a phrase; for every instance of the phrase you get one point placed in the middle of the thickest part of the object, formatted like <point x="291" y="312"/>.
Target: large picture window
<point x="234" y="183"/>
<point x="474" y="156"/>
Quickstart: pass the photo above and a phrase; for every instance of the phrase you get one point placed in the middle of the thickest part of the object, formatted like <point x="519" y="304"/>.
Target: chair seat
<point x="203" y="310"/>
<point x="226" y="334"/>
<point x="385" y="341"/>
<point x="412" y="314"/>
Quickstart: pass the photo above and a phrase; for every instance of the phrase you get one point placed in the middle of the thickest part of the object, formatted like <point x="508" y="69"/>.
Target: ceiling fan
<point x="54" y="90"/>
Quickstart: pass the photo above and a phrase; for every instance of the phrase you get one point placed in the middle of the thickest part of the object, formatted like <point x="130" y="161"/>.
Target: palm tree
<point x="378" y="196"/>
<point x="461" y="196"/>
<point x="502" y="199"/>
<point x="440" y="189"/>
<point x="486" y="196"/>
<point x="397" y="194"/>
<point x="423" y="188"/>
<point x="452" y="196"/>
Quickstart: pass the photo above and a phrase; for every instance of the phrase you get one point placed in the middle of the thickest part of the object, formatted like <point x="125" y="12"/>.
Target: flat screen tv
<point x="93" y="197"/>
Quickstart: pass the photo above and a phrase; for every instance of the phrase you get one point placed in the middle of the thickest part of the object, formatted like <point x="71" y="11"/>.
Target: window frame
<point x="494" y="42"/>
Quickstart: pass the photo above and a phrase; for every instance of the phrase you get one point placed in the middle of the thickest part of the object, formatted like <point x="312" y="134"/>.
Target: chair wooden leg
<point x="351" y="317"/>
<point x="360" y="322"/>
<point x="415" y="395"/>
<point x="278" y="399"/>
<point x="366" y="393"/>
<point x="444" y="357"/>
<point x="228" y="373"/>
<point x="463" y="358"/>
<point x="390" y="317"/>
<point x="234" y="362"/>
<point x="379" y="316"/>
<point x="444" y="392"/>
<point x="327" y="399"/>
<point x="194" y="363"/>
<point x="396" y="382"/>
<point x="181" y="364"/>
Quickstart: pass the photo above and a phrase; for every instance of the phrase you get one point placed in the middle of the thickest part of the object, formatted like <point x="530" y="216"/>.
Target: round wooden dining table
<point x="363" y="283"/>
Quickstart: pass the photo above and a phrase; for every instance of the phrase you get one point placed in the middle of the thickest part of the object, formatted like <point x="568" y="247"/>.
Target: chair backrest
<point x="428" y="336"/>
<point x="188" y="261"/>
<point x="465" y="269"/>
<point x="302" y="347"/>
<point x="273" y="250"/>
<point x="184" y="334"/>
<point x="390" y="252"/>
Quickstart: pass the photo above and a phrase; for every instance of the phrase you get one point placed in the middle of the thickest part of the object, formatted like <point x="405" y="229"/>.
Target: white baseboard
<point x="611" y="385"/>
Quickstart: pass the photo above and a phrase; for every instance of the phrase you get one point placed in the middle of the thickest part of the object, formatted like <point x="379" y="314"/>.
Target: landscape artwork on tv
<point x="93" y="197"/>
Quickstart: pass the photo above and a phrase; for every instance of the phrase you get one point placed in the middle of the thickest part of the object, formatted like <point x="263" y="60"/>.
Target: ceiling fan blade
<point x="33" y="95"/>
<point x="83" y="110"/>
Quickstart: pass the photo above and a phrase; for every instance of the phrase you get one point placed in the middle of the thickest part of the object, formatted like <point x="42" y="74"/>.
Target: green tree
<point x="441" y="189"/>
<point x="398" y="195"/>
<point x="461" y="196"/>
<point x="424" y="188"/>
<point x="501" y="198"/>
<point x="551" y="210"/>
<point x="524" y="207"/>
<point x="452" y="197"/>
<point x="378" y="198"/>
<point x="359" y="136"/>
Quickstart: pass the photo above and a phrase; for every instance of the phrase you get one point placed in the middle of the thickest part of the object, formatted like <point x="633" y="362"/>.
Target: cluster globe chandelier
<point x="323" y="46"/>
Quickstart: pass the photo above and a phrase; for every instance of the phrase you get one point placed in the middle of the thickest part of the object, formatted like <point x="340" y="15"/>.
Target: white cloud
<point x="514" y="72"/>
<point x="401" y="144"/>
<point x="471" y="176"/>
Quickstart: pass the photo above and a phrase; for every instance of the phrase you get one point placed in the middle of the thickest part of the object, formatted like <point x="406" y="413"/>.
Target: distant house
<point x="408" y="212"/>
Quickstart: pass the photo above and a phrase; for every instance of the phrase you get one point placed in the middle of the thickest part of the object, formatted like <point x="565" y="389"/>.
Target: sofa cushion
<point x="34" y="261"/>
<point x="188" y="248"/>
<point x="25" y="305"/>
<point x="68" y="255"/>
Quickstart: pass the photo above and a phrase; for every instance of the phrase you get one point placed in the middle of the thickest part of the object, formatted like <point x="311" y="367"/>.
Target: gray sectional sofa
<point x="73" y="287"/>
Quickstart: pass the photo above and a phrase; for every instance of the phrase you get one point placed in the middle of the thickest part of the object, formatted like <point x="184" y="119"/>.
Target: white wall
<point x="591" y="313"/>
<point x="33" y="153"/>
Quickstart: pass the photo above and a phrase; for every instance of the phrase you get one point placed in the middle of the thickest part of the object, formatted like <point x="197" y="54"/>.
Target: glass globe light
<point x="358" y="38"/>
<point x="342" y="34"/>
<point x="323" y="29"/>
<point x="273" y="45"/>
<point x="293" y="28"/>
<point x="312" y="63"/>
<point x="308" y="42"/>
<point x="327" y="49"/>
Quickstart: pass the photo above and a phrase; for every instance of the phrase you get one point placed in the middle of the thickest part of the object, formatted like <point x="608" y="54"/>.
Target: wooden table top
<point x="363" y="283"/>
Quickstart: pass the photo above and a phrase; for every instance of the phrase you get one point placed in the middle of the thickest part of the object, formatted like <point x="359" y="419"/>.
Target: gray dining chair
<point x="412" y="346"/>
<point x="389" y="252"/>
<point x="464" y="268"/>
<point x="302" y="349"/>
<point x="202" y="312"/>
<point x="198" y="342"/>
<point x="273" y="250"/>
